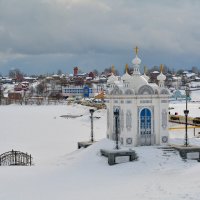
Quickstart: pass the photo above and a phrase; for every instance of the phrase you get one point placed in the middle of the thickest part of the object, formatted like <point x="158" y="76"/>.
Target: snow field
<point x="63" y="172"/>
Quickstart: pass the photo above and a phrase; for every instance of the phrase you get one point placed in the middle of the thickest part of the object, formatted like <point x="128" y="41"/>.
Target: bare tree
<point x="40" y="88"/>
<point x="59" y="72"/>
<point x="109" y="70"/>
<point x="95" y="71"/>
<point x="195" y="70"/>
<point x="16" y="74"/>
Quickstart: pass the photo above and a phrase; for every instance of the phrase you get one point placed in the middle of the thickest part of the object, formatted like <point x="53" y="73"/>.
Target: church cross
<point x="136" y="50"/>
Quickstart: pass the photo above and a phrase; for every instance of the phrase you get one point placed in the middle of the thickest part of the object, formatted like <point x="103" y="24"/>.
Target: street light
<point x="116" y="114"/>
<point x="92" y="134"/>
<point x="1" y="89"/>
<point x="186" y="112"/>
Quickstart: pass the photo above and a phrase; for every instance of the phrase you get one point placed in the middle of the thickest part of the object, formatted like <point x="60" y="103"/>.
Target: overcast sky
<point x="40" y="36"/>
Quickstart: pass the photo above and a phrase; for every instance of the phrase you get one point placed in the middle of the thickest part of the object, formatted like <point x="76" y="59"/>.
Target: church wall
<point x="109" y="105"/>
<point x="130" y="122"/>
<point x="156" y="103"/>
<point x="135" y="122"/>
<point x="138" y="102"/>
<point x="122" y="121"/>
<point x="130" y="131"/>
<point x="164" y="120"/>
<point x="127" y="133"/>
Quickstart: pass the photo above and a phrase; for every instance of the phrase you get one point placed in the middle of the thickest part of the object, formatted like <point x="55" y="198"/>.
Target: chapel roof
<point x="112" y="78"/>
<point x="161" y="76"/>
<point x="136" y="82"/>
<point x="126" y="76"/>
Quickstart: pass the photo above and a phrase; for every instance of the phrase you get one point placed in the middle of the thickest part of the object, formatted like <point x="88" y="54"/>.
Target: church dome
<point x="138" y="81"/>
<point x="161" y="77"/>
<point x="136" y="60"/>
<point x="146" y="77"/>
<point x="126" y="77"/>
<point x="112" y="79"/>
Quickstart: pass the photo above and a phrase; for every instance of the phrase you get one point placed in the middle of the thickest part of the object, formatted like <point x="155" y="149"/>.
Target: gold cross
<point x="136" y="50"/>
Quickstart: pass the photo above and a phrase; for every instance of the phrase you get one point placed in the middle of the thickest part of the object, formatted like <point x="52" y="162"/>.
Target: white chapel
<point x="142" y="106"/>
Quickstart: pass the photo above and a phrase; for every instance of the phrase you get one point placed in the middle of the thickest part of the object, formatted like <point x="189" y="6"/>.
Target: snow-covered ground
<point x="179" y="107"/>
<point x="63" y="172"/>
<point x="193" y="105"/>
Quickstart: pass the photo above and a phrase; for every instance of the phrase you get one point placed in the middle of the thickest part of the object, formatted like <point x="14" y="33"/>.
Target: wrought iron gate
<point x="15" y="158"/>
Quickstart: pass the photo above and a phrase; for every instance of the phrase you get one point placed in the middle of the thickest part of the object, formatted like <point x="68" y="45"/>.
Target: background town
<point x="87" y="88"/>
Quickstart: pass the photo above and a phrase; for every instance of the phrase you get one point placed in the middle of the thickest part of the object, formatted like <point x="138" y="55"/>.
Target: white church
<point x="142" y="106"/>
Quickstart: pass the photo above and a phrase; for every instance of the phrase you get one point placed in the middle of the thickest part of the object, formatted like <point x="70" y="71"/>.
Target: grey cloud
<point x="75" y="27"/>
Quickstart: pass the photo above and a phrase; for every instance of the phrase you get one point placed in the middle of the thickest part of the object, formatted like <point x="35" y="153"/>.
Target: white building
<point x="82" y="90"/>
<point x="143" y="108"/>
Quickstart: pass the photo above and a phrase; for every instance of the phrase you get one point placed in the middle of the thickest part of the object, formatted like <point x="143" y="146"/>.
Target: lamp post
<point x="92" y="134"/>
<point x="116" y="114"/>
<point x="186" y="112"/>
<point x="1" y="88"/>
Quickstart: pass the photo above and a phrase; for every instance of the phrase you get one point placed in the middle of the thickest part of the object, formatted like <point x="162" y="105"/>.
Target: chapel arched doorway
<point x="145" y="127"/>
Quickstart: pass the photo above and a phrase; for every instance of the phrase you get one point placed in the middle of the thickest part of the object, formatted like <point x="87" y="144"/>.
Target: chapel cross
<point x="136" y="50"/>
